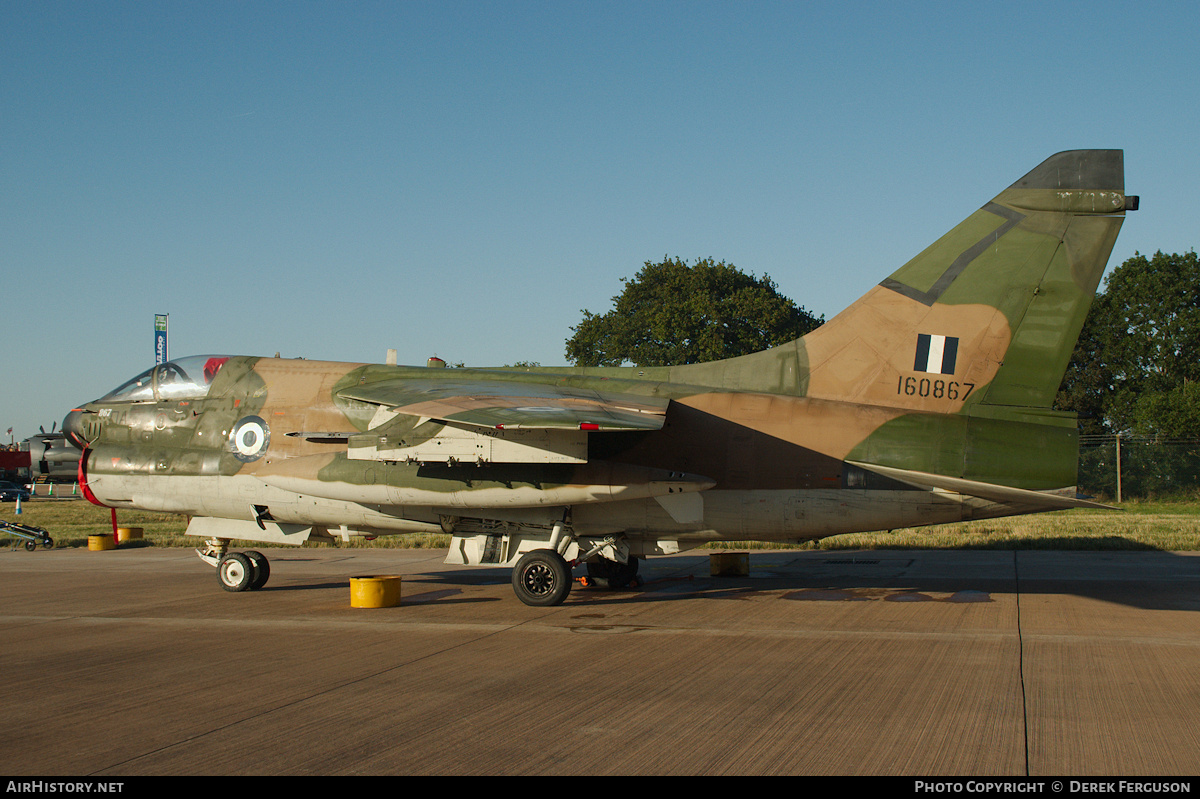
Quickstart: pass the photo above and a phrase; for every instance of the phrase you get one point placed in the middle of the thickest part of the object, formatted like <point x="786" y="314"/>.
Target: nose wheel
<point x="243" y="571"/>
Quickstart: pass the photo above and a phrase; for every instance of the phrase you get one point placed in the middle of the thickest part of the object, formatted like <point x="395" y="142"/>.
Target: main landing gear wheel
<point x="541" y="578"/>
<point x="618" y="575"/>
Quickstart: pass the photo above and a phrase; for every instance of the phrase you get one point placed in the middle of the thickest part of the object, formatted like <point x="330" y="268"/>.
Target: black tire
<point x="261" y="566"/>
<point x="599" y="569"/>
<point x="541" y="578"/>
<point x="48" y="543"/>
<point x="622" y="575"/>
<point x="30" y="545"/>
<point x="235" y="572"/>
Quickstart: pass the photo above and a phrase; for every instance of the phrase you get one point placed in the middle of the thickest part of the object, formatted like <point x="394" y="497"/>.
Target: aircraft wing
<point x="505" y="405"/>
<point x="990" y="491"/>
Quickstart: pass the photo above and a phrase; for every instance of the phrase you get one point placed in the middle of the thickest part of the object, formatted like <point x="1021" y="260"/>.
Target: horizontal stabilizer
<point x="989" y="491"/>
<point x="513" y="405"/>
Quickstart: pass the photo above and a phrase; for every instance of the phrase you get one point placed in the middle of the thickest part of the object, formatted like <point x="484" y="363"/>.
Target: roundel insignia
<point x="249" y="439"/>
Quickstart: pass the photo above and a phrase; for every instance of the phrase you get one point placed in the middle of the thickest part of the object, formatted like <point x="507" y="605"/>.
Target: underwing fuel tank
<point x="336" y="477"/>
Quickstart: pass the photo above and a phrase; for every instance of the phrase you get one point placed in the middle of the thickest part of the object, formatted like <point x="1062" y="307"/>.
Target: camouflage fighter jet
<point x="927" y="401"/>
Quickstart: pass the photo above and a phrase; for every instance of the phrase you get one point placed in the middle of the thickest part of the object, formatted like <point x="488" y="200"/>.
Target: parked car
<point x="11" y="492"/>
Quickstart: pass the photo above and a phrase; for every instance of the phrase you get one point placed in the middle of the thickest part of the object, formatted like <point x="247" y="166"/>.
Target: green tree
<point x="672" y="313"/>
<point x="1139" y="351"/>
<point x="1169" y="414"/>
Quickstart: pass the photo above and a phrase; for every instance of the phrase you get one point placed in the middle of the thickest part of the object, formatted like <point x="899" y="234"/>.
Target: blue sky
<point x="330" y="180"/>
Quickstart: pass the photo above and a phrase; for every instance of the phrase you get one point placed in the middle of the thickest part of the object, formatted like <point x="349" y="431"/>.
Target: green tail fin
<point x="991" y="311"/>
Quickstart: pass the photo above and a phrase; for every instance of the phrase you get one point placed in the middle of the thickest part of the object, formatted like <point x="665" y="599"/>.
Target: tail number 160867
<point x="930" y="387"/>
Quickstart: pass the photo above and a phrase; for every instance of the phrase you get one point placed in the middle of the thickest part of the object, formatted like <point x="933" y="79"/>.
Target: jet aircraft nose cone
<point x="72" y="426"/>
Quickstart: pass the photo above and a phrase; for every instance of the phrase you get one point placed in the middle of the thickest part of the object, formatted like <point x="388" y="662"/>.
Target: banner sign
<point x="160" y="338"/>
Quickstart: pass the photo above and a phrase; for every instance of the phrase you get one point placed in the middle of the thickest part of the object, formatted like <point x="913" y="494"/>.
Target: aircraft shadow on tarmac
<point x="1117" y="571"/>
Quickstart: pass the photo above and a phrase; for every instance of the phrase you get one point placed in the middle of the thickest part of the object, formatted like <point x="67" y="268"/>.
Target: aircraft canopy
<point x="185" y="378"/>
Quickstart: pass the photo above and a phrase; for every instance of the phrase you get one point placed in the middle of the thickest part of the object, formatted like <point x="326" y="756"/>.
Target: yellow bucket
<point x="128" y="534"/>
<point x="99" y="543"/>
<point x="380" y="591"/>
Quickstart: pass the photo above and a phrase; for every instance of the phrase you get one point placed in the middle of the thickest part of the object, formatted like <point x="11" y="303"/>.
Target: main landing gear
<point x="618" y="575"/>
<point x="236" y="571"/>
<point x="542" y="578"/>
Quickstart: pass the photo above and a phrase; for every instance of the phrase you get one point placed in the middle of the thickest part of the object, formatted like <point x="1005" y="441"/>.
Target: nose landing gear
<point x="236" y="571"/>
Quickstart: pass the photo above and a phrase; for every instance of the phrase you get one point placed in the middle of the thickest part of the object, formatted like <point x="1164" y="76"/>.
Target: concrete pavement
<point x="134" y="661"/>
